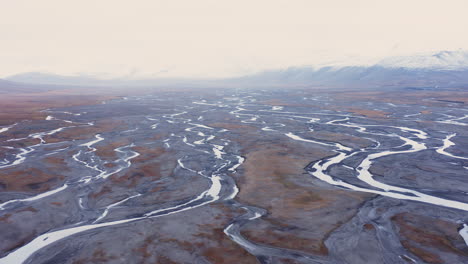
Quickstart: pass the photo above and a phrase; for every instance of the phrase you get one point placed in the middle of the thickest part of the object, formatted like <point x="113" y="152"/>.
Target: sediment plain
<point x="236" y="176"/>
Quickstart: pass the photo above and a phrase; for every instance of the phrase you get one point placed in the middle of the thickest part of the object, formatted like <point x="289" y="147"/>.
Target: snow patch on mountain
<point x="443" y="60"/>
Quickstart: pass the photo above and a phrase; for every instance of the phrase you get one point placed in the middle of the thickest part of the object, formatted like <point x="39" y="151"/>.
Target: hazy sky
<point x="214" y="38"/>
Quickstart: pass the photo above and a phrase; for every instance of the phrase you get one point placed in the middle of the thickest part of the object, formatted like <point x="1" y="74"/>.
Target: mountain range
<point x="441" y="69"/>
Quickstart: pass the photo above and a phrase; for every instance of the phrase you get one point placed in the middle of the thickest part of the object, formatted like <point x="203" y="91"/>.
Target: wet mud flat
<point x="239" y="176"/>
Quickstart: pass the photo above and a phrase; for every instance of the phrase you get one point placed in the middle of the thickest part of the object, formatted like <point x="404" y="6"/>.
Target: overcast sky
<point x="216" y="38"/>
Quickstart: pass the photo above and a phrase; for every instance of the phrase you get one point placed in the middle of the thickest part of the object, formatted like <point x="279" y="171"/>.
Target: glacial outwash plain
<point x="234" y="175"/>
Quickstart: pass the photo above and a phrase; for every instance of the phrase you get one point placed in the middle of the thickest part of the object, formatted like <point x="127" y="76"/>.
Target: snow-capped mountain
<point x="440" y="69"/>
<point x="443" y="60"/>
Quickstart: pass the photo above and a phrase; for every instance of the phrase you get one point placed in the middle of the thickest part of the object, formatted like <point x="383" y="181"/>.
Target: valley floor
<point x="235" y="176"/>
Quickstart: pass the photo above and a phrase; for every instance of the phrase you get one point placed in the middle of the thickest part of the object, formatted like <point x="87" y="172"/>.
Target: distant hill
<point x="13" y="87"/>
<point x="9" y="86"/>
<point x="84" y="80"/>
<point x="441" y="69"/>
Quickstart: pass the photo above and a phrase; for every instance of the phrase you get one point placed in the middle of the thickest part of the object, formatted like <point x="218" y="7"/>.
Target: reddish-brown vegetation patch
<point x="222" y="249"/>
<point x="31" y="180"/>
<point x="344" y="139"/>
<point x="56" y="162"/>
<point x="98" y="256"/>
<point x="5" y="218"/>
<point x="233" y="126"/>
<point x="207" y="240"/>
<point x="150" y="165"/>
<point x="149" y="172"/>
<point x="372" y="113"/>
<point x="87" y="132"/>
<point x="24" y="143"/>
<point x="226" y="251"/>
<point x="27" y="106"/>
<point x="110" y="165"/>
<point x="424" y="236"/>
<point x="148" y="154"/>
<point x="104" y="190"/>
<point x="108" y="152"/>
<point x="271" y="181"/>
